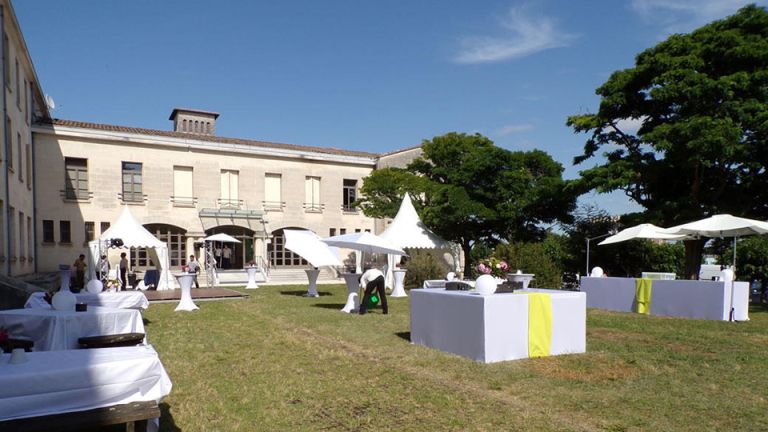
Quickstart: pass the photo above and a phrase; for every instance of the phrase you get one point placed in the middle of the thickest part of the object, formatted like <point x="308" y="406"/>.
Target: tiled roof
<point x="211" y="138"/>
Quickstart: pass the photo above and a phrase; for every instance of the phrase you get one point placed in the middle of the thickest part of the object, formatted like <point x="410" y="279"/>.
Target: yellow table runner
<point x="539" y="324"/>
<point x="643" y="289"/>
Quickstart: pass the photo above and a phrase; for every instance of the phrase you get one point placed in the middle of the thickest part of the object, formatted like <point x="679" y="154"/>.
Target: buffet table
<point x="678" y="298"/>
<point x="117" y="300"/>
<point x="53" y="330"/>
<point x="78" y="380"/>
<point x="496" y="327"/>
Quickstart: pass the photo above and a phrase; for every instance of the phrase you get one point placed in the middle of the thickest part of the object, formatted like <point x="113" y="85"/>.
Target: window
<point x="174" y="237"/>
<point x="229" y="189"/>
<point x="312" y="194"/>
<point x="76" y="181"/>
<point x="342" y="231"/>
<point x="272" y="192"/>
<point x="182" y="186"/>
<point x="48" y="231"/>
<point x="8" y="135"/>
<point x="12" y="231"/>
<point x="357" y="230"/>
<point x="331" y="232"/>
<point x="65" y="235"/>
<point x="350" y="194"/>
<point x="22" y="243"/>
<point x="6" y="63"/>
<point x="30" y="244"/>
<point x="26" y="101"/>
<point x="90" y="231"/>
<point x="280" y="256"/>
<point x="28" y="151"/>
<point x="184" y="125"/>
<point x="20" y="156"/>
<point x="103" y="227"/>
<point x="132" y="182"/>
<point x="18" y="85"/>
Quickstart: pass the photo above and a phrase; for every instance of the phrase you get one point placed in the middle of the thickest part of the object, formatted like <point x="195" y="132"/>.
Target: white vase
<point x="485" y="285"/>
<point x="64" y="300"/>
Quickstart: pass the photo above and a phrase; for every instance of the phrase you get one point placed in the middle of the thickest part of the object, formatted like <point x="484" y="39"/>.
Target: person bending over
<point x="373" y="279"/>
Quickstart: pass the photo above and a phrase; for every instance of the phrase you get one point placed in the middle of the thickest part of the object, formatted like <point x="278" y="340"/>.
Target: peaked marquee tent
<point x="408" y="231"/>
<point x="133" y="234"/>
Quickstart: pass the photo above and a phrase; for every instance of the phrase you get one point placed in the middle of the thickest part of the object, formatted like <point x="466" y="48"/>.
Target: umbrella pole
<point x="733" y="279"/>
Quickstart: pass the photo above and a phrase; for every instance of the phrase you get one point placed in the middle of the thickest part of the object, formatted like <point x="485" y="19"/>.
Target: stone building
<point x="66" y="181"/>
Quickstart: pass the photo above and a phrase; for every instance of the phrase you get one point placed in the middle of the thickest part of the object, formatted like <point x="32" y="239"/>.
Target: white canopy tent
<point x="133" y="234"/>
<point x="408" y="231"/>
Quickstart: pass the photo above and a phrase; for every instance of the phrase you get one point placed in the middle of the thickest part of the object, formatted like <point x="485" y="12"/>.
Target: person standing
<point x="102" y="268"/>
<point x="217" y="255"/>
<point x="373" y="279"/>
<point x="226" y="255"/>
<point x="123" y="271"/>
<point x="193" y="267"/>
<point x="79" y="266"/>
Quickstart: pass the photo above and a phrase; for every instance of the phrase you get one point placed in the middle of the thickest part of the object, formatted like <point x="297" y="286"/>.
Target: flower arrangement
<point x="494" y="267"/>
<point x="111" y="284"/>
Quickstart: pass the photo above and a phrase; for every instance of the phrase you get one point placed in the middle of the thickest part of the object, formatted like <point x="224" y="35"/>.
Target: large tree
<point x="701" y="100"/>
<point x="467" y="189"/>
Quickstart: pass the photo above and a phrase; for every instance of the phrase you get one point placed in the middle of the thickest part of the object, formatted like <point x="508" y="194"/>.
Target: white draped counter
<point x="117" y="300"/>
<point x="78" y="380"/>
<point x="53" y="330"/>
<point x="677" y="298"/>
<point x="493" y="328"/>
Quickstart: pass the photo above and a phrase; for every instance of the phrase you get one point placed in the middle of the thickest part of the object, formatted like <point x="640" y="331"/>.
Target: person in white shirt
<point x="373" y="279"/>
<point x="193" y="267"/>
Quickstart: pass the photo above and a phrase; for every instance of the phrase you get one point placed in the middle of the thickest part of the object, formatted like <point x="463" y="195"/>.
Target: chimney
<point x="194" y="121"/>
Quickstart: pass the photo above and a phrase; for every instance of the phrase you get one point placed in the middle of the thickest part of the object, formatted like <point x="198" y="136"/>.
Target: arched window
<point x="279" y="256"/>
<point x="197" y="126"/>
<point x="184" y="125"/>
<point x="176" y="239"/>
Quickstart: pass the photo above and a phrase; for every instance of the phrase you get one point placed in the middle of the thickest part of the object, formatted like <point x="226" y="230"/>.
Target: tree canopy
<point x="467" y="189"/>
<point x="700" y="100"/>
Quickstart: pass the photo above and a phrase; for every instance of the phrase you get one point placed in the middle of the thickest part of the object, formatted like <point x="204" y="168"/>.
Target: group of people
<point x="102" y="271"/>
<point x="223" y="256"/>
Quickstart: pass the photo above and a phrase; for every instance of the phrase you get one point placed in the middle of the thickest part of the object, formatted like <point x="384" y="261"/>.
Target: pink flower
<point x="482" y="268"/>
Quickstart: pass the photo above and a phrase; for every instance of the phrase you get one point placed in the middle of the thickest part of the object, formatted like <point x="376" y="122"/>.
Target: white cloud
<point x="680" y="16"/>
<point x="513" y="129"/>
<point x="523" y="34"/>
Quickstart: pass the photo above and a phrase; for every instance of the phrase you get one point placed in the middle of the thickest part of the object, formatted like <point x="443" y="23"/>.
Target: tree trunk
<point x="693" y="251"/>
<point x="466" y="248"/>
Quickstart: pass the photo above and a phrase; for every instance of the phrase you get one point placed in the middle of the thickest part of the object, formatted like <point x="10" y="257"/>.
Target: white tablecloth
<point x="118" y="300"/>
<point x="57" y="330"/>
<point x="493" y="328"/>
<point x="678" y="298"/>
<point x="77" y="380"/>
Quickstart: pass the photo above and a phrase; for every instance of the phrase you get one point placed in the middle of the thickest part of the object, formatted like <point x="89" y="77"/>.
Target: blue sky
<point x="361" y="75"/>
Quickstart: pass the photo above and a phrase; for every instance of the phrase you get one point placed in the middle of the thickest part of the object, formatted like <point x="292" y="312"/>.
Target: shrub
<point x="531" y="258"/>
<point x="422" y="266"/>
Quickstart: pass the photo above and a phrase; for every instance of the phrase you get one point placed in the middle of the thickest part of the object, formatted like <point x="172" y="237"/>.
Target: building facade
<point x="66" y="181"/>
<point x="22" y="104"/>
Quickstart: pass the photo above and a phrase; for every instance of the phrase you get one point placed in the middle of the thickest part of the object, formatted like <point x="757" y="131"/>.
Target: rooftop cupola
<point x="194" y="121"/>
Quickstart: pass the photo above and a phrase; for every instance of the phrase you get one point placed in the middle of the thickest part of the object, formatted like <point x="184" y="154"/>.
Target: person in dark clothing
<point x="123" y="271"/>
<point x="373" y="279"/>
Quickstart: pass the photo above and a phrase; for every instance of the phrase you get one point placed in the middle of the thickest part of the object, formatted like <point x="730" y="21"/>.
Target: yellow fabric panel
<point x="643" y="289"/>
<point x="539" y="324"/>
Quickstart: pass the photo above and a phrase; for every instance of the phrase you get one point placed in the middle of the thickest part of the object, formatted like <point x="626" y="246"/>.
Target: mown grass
<point x="278" y="361"/>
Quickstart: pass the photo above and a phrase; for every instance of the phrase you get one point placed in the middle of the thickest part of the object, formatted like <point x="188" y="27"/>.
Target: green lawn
<point x="278" y="361"/>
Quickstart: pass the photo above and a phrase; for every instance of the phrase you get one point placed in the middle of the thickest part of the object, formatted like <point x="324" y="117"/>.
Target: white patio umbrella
<point x="644" y="231"/>
<point x="221" y="237"/>
<point x="309" y="246"/>
<point x="364" y="242"/>
<point x="723" y="225"/>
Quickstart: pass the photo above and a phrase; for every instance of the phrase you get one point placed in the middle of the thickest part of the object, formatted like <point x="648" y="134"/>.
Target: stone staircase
<point x="280" y="276"/>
